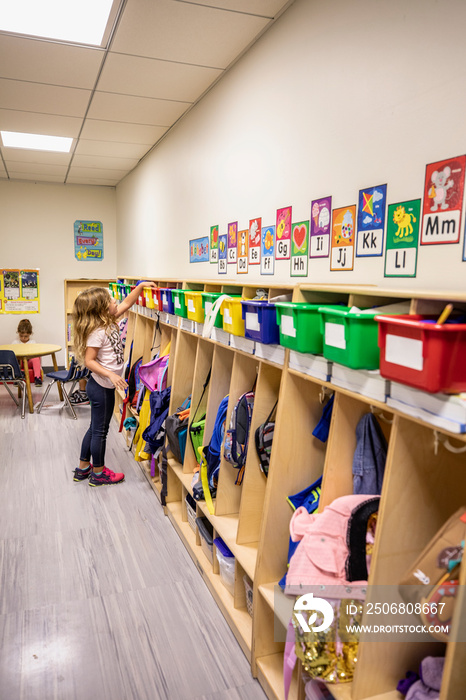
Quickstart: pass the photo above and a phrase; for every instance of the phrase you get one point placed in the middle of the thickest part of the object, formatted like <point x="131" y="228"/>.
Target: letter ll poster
<point x="283" y="232"/>
<point x="267" y="250"/>
<point x="342" y="252"/>
<point x="319" y="245"/>
<point x="242" y="253"/>
<point x="299" y="249"/>
<point x="402" y="239"/>
<point x="443" y="201"/>
<point x="255" y="226"/>
<point x="232" y="241"/>
<point x="214" y="244"/>
<point x="371" y="221"/>
<point x="222" y="254"/>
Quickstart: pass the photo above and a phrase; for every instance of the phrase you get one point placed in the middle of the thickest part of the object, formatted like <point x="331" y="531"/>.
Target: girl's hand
<point x="153" y="285"/>
<point x="117" y="381"/>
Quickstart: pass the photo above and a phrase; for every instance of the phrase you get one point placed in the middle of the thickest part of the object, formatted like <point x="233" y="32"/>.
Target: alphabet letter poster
<point x="232" y="236"/>
<point x="267" y="250"/>
<point x="402" y="239"/>
<point x="371" y="221"/>
<point x="283" y="232"/>
<point x="443" y="201"/>
<point x="319" y="246"/>
<point x="299" y="249"/>
<point x="343" y="224"/>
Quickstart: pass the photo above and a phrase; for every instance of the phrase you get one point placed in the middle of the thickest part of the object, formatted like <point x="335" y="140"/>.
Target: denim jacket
<point x="369" y="456"/>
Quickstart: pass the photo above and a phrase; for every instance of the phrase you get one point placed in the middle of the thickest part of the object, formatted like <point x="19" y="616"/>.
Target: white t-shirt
<point x="110" y="354"/>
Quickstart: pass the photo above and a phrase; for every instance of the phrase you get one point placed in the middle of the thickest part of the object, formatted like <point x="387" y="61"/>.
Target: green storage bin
<point x="179" y="303"/>
<point x="350" y="338"/>
<point x="300" y="326"/>
<point x="208" y="299"/>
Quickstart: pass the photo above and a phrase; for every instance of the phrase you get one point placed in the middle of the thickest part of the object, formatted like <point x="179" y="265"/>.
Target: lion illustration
<point x="403" y="220"/>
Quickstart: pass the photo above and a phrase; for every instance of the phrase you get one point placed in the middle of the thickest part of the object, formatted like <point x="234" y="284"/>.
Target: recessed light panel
<point x="36" y="142"/>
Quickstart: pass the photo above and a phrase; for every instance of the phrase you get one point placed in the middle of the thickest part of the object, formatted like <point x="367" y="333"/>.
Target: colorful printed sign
<point x="443" y="201"/>
<point x="88" y="240"/>
<point x="402" y="239"/>
<point x="255" y="241"/>
<point x="214" y="244"/>
<point x="299" y="249"/>
<point x="283" y="233"/>
<point x="19" y="291"/>
<point x="319" y="246"/>
<point x="222" y="254"/>
<point x="342" y="247"/>
<point x="267" y="250"/>
<point x="371" y="221"/>
<point x="199" y="250"/>
<point x="242" y="252"/>
<point x="232" y="241"/>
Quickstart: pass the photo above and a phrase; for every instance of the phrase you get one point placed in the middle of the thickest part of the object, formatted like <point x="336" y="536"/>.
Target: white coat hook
<point x="377" y="412"/>
<point x="439" y="438"/>
<point x="436" y="442"/>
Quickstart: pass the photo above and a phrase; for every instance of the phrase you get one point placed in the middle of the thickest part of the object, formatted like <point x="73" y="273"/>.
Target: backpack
<point x="212" y="453"/>
<point x="154" y="373"/>
<point x="237" y="436"/>
<point x="176" y="427"/>
<point x="154" y="434"/>
<point x="134" y="385"/>
<point x="263" y="439"/>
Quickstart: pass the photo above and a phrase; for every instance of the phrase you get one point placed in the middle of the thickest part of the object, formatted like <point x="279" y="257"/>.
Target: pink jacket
<point x="331" y="557"/>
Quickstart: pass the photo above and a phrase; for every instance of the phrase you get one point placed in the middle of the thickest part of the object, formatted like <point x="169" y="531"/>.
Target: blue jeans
<point x="95" y="440"/>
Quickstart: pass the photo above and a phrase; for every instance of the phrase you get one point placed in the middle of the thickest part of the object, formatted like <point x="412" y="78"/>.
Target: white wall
<point x="37" y="231"/>
<point x="337" y="96"/>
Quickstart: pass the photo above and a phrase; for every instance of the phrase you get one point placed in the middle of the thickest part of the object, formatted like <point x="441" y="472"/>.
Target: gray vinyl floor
<point x="98" y="597"/>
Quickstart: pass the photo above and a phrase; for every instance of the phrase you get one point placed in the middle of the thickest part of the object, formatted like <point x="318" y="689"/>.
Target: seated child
<point x="24" y="332"/>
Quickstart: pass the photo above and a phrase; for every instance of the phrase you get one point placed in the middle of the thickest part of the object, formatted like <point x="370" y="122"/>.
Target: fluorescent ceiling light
<point x="77" y="21"/>
<point x="36" y="142"/>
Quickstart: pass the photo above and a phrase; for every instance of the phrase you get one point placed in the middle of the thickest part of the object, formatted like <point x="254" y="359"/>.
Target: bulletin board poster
<point x="320" y="231"/>
<point x="283" y="231"/>
<point x="255" y="226"/>
<point x="214" y="245"/>
<point x="371" y="221"/>
<point x="343" y="230"/>
<point x="443" y="201"/>
<point x="232" y="239"/>
<point x="199" y="250"/>
<point x="222" y="254"/>
<point x="88" y="240"/>
<point x="299" y="249"/>
<point x="19" y="292"/>
<point x="267" y="250"/>
<point x="242" y="253"/>
<point x="402" y="239"/>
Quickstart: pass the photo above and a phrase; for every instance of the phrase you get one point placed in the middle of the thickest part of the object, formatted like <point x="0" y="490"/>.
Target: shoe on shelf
<point x="79" y="398"/>
<point x="38" y="381"/>
<point x="82" y="474"/>
<point x="106" y="477"/>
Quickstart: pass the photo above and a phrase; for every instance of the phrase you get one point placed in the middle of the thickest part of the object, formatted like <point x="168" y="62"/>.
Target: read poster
<point x="88" y="240"/>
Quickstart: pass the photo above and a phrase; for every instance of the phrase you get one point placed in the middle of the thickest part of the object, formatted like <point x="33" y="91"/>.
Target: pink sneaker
<point x="105" y="477"/>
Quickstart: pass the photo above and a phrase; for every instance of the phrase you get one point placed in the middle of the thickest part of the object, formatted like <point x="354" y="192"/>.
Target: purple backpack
<point x="154" y="374"/>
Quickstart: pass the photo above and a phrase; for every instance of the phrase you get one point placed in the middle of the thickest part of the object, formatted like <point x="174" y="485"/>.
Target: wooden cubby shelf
<point x="423" y="483"/>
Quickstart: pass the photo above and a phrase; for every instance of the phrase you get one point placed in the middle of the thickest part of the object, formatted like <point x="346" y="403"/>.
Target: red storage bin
<point x="157" y="297"/>
<point x="423" y="354"/>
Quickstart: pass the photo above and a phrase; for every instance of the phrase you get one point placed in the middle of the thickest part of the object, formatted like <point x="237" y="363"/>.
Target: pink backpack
<point x="154" y="374"/>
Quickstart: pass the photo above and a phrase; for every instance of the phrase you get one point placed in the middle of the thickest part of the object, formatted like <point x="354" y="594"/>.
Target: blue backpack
<point x="237" y="436"/>
<point x="212" y="452"/>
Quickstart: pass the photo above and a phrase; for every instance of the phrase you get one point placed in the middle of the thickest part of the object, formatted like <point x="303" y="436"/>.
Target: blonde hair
<point x="90" y="312"/>
<point x="24" y="326"/>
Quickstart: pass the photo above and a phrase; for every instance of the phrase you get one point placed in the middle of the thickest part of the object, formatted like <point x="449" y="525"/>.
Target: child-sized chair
<point x="62" y="376"/>
<point x="10" y="373"/>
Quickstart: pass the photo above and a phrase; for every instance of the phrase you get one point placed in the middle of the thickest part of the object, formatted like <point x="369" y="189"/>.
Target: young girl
<point x="24" y="332"/>
<point x="97" y="345"/>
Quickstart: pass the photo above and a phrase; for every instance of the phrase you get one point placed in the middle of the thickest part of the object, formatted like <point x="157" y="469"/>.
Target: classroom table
<point x="24" y="352"/>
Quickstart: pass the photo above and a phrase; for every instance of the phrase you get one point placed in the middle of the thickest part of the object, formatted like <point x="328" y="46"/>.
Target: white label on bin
<point x="227" y="316"/>
<point x="208" y="305"/>
<point x="406" y="352"/>
<point x="177" y="303"/>
<point x="164" y="299"/>
<point x="335" y="335"/>
<point x="252" y="321"/>
<point x="191" y="306"/>
<point x="287" y="326"/>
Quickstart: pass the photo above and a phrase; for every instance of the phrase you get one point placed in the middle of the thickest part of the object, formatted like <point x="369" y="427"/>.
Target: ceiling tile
<point x="147" y="77"/>
<point x="266" y="8"/>
<point x="49" y="62"/>
<point x="22" y="155"/>
<point x="97" y="173"/>
<point x="104" y="162"/>
<point x="112" y="149"/>
<point x="91" y="181"/>
<point x="186" y="33"/>
<point x="120" y="131"/>
<point x="138" y="110"/>
<point x="36" y="123"/>
<point x="35" y="176"/>
<point x="37" y="97"/>
<point x="39" y="168"/>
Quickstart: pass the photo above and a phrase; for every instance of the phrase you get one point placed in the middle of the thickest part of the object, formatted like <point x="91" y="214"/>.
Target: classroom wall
<point x="37" y="231"/>
<point x="335" y="97"/>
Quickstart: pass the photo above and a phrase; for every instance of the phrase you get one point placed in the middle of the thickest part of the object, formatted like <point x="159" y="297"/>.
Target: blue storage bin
<point x="260" y="321"/>
<point x="167" y="300"/>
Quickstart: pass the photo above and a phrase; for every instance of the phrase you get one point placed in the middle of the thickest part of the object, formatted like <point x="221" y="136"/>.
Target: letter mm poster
<point x="371" y="221"/>
<point x="443" y="201"/>
<point x="343" y="224"/>
<point x="402" y="239"/>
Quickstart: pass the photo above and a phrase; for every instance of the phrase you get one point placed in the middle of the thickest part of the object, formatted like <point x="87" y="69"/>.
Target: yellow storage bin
<point x="194" y="307"/>
<point x="149" y="298"/>
<point x="233" y="316"/>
